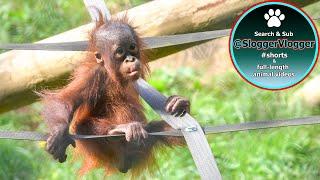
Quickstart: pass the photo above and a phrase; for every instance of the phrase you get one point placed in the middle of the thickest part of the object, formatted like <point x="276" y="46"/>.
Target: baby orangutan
<point x="101" y="99"/>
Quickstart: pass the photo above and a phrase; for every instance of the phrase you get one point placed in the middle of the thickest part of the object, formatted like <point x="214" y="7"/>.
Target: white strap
<point x="191" y="130"/>
<point x="94" y="6"/>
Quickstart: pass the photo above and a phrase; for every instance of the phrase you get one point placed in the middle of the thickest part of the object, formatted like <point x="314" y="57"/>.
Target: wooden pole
<point x="22" y="72"/>
<point x="309" y="93"/>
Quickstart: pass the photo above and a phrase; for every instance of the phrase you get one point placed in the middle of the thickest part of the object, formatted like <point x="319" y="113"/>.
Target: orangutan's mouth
<point x="134" y="73"/>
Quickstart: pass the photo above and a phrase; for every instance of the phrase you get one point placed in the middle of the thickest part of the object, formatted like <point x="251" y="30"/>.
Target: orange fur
<point x="93" y="103"/>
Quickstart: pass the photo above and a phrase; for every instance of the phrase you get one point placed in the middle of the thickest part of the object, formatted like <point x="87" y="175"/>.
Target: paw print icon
<point x="274" y="18"/>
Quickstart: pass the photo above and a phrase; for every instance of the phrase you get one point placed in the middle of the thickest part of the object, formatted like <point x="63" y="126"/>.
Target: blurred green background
<point x="286" y="153"/>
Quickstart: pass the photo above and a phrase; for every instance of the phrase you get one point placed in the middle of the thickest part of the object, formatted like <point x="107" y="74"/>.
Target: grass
<point x="285" y="153"/>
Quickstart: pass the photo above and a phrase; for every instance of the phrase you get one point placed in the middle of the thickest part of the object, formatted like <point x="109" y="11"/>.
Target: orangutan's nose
<point x="130" y="59"/>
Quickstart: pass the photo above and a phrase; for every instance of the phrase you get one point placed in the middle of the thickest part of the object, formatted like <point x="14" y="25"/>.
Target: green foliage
<point x="28" y="21"/>
<point x="32" y="20"/>
<point x="284" y="153"/>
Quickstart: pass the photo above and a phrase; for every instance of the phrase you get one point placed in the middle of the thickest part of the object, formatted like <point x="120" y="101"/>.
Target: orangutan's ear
<point x="98" y="57"/>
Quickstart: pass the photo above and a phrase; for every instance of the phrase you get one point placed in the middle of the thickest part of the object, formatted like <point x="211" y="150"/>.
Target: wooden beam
<point x="309" y="93"/>
<point x="22" y="72"/>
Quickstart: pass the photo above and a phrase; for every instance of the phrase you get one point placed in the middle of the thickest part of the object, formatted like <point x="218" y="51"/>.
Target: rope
<point x="151" y="42"/>
<point x="36" y="136"/>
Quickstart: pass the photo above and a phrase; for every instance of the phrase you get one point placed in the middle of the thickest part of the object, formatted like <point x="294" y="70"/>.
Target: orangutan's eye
<point x="133" y="47"/>
<point x="119" y="51"/>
